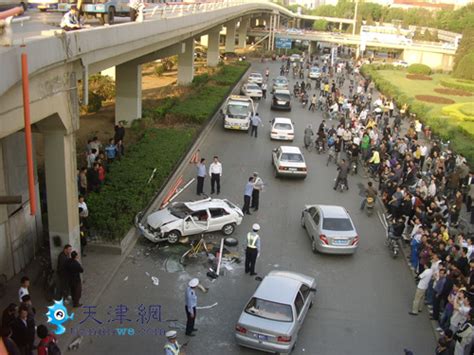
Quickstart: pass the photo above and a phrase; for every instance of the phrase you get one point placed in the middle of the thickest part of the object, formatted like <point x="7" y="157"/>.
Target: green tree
<point x="320" y="25"/>
<point x="465" y="67"/>
<point x="465" y="47"/>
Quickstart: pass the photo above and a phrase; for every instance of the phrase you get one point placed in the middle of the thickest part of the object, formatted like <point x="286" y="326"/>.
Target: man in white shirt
<point x="418" y="301"/>
<point x="215" y="172"/>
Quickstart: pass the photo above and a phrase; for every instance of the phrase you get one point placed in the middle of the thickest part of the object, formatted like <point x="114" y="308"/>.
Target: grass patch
<point x="466" y="85"/>
<point x="452" y="92"/>
<point x="418" y="77"/>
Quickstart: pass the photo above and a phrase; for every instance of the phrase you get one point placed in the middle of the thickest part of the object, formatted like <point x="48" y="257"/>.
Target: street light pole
<point x="355" y="17"/>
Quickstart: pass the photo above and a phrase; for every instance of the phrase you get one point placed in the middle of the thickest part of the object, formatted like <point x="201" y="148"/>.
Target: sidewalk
<point x="98" y="267"/>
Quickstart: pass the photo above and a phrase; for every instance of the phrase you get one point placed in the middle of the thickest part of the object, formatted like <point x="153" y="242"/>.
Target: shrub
<point x="460" y="112"/>
<point x="159" y="69"/>
<point x="229" y="74"/>
<point x="102" y="85"/>
<point x="465" y="68"/>
<point x="458" y="84"/>
<point x="126" y="190"/>
<point x="200" y="79"/>
<point x="419" y="69"/>
<point x="95" y="102"/>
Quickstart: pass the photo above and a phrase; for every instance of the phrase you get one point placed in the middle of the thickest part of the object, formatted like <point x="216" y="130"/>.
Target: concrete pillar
<point x="230" y="36"/>
<point x="311" y="47"/>
<point x="186" y="63"/>
<point x="244" y="23"/>
<point x="340" y="26"/>
<point x="213" y="48"/>
<point x="128" y="85"/>
<point x="61" y="187"/>
<point x="253" y="22"/>
<point x="204" y="40"/>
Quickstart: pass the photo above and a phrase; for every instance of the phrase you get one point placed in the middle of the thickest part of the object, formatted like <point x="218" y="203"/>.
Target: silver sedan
<point x="330" y="229"/>
<point x="275" y="313"/>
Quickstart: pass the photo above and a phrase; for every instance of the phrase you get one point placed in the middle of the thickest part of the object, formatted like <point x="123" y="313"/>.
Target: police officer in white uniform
<point x="252" y="250"/>
<point x="172" y="346"/>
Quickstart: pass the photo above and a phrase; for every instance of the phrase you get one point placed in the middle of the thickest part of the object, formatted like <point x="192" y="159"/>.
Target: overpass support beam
<point x="186" y="62"/>
<point x="230" y="36"/>
<point x="244" y="23"/>
<point x="128" y="102"/>
<point x="213" y="48"/>
<point x="61" y="186"/>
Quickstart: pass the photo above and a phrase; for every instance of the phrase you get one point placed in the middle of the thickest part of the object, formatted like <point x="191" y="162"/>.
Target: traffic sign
<point x="284" y="43"/>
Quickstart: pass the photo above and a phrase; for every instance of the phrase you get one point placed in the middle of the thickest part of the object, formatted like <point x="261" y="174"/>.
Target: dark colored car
<point x="281" y="100"/>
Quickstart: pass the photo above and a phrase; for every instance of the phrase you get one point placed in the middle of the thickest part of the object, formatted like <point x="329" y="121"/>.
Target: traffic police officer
<point x="252" y="250"/>
<point x="191" y="304"/>
<point x="172" y="346"/>
<point x="257" y="187"/>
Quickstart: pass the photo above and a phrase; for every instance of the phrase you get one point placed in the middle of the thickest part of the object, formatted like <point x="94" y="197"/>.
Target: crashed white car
<point x="181" y="219"/>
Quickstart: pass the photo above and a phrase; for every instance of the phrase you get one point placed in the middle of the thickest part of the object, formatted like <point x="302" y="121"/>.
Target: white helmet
<point x="256" y="227"/>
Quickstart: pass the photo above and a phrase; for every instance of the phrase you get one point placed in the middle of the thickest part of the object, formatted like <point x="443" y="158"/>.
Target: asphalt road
<point x="362" y="301"/>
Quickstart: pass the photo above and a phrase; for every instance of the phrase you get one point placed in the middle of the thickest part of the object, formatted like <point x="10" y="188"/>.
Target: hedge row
<point x="460" y="138"/>
<point x="127" y="190"/>
<point x="458" y="84"/>
<point x="460" y="112"/>
<point x="419" y="69"/>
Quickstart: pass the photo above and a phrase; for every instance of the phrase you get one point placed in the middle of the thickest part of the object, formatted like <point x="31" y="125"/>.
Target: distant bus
<point x="385" y="34"/>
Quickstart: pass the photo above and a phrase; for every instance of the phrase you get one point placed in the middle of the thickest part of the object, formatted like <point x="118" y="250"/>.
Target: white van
<point x="237" y="112"/>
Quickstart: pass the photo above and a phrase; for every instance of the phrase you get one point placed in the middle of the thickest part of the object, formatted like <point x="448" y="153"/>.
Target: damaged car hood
<point x="159" y="218"/>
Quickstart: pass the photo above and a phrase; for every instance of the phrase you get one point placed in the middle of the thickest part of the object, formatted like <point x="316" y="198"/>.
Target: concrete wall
<point x="20" y="232"/>
<point x="437" y="61"/>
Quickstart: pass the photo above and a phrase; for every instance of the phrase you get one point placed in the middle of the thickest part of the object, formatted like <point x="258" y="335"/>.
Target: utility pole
<point x="355" y="17"/>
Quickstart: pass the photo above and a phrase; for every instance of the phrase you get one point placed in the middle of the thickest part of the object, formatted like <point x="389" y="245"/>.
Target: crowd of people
<point x="423" y="185"/>
<point x="20" y="334"/>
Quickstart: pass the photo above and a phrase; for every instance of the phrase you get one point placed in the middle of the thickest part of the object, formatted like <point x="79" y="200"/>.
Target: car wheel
<point x="314" y="246"/>
<point x="228" y="229"/>
<point x="302" y="221"/>
<point x="231" y="242"/>
<point x="173" y="236"/>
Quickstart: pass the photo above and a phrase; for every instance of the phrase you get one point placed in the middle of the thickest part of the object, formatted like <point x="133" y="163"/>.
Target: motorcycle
<point x="342" y="185"/>
<point x="369" y="205"/>
<point x="319" y="146"/>
<point x="392" y="244"/>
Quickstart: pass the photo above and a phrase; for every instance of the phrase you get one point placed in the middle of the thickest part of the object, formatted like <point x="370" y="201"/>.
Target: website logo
<point x="57" y="315"/>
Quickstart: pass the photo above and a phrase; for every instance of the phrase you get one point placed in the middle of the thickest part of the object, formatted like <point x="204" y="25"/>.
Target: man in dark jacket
<point x="119" y="132"/>
<point x="74" y="270"/>
<point x="93" y="180"/>
<point x="23" y="329"/>
<point x="63" y="257"/>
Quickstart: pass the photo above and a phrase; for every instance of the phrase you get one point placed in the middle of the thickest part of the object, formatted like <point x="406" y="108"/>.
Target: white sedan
<point x="282" y="129"/>
<point x="289" y="161"/>
<point x="252" y="90"/>
<point x="255" y="78"/>
<point x="400" y="63"/>
<point x="187" y="218"/>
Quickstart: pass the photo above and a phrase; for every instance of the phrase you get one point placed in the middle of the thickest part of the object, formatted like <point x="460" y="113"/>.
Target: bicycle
<point x="197" y="247"/>
<point x="3" y="285"/>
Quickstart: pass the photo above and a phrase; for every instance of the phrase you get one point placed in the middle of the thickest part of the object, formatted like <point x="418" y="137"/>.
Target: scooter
<point x="392" y="244"/>
<point x="369" y="205"/>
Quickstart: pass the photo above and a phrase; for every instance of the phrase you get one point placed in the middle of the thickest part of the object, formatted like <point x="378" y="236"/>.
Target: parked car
<point x="181" y="219"/>
<point x="289" y="161"/>
<point x="255" y="78"/>
<point x="314" y="73"/>
<point x="400" y="63"/>
<point x="282" y="129"/>
<point x="237" y="112"/>
<point x="296" y="58"/>
<point x="276" y="312"/>
<point x="330" y="229"/>
<point x="252" y="90"/>
<point x="280" y="82"/>
<point x="281" y="100"/>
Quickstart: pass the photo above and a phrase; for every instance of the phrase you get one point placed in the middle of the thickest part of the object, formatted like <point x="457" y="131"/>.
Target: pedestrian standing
<point x="172" y="346"/>
<point x="24" y="285"/>
<point x="111" y="151"/>
<point x="252" y="250"/>
<point x="257" y="188"/>
<point x="247" y="196"/>
<point x="191" y="304"/>
<point x="83" y="211"/>
<point x="255" y="121"/>
<point x="23" y="329"/>
<point x="63" y="257"/>
<point x="215" y="172"/>
<point x="264" y="90"/>
<point x="418" y="301"/>
<point x="201" y="175"/>
<point x="74" y="270"/>
<point x="119" y="132"/>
